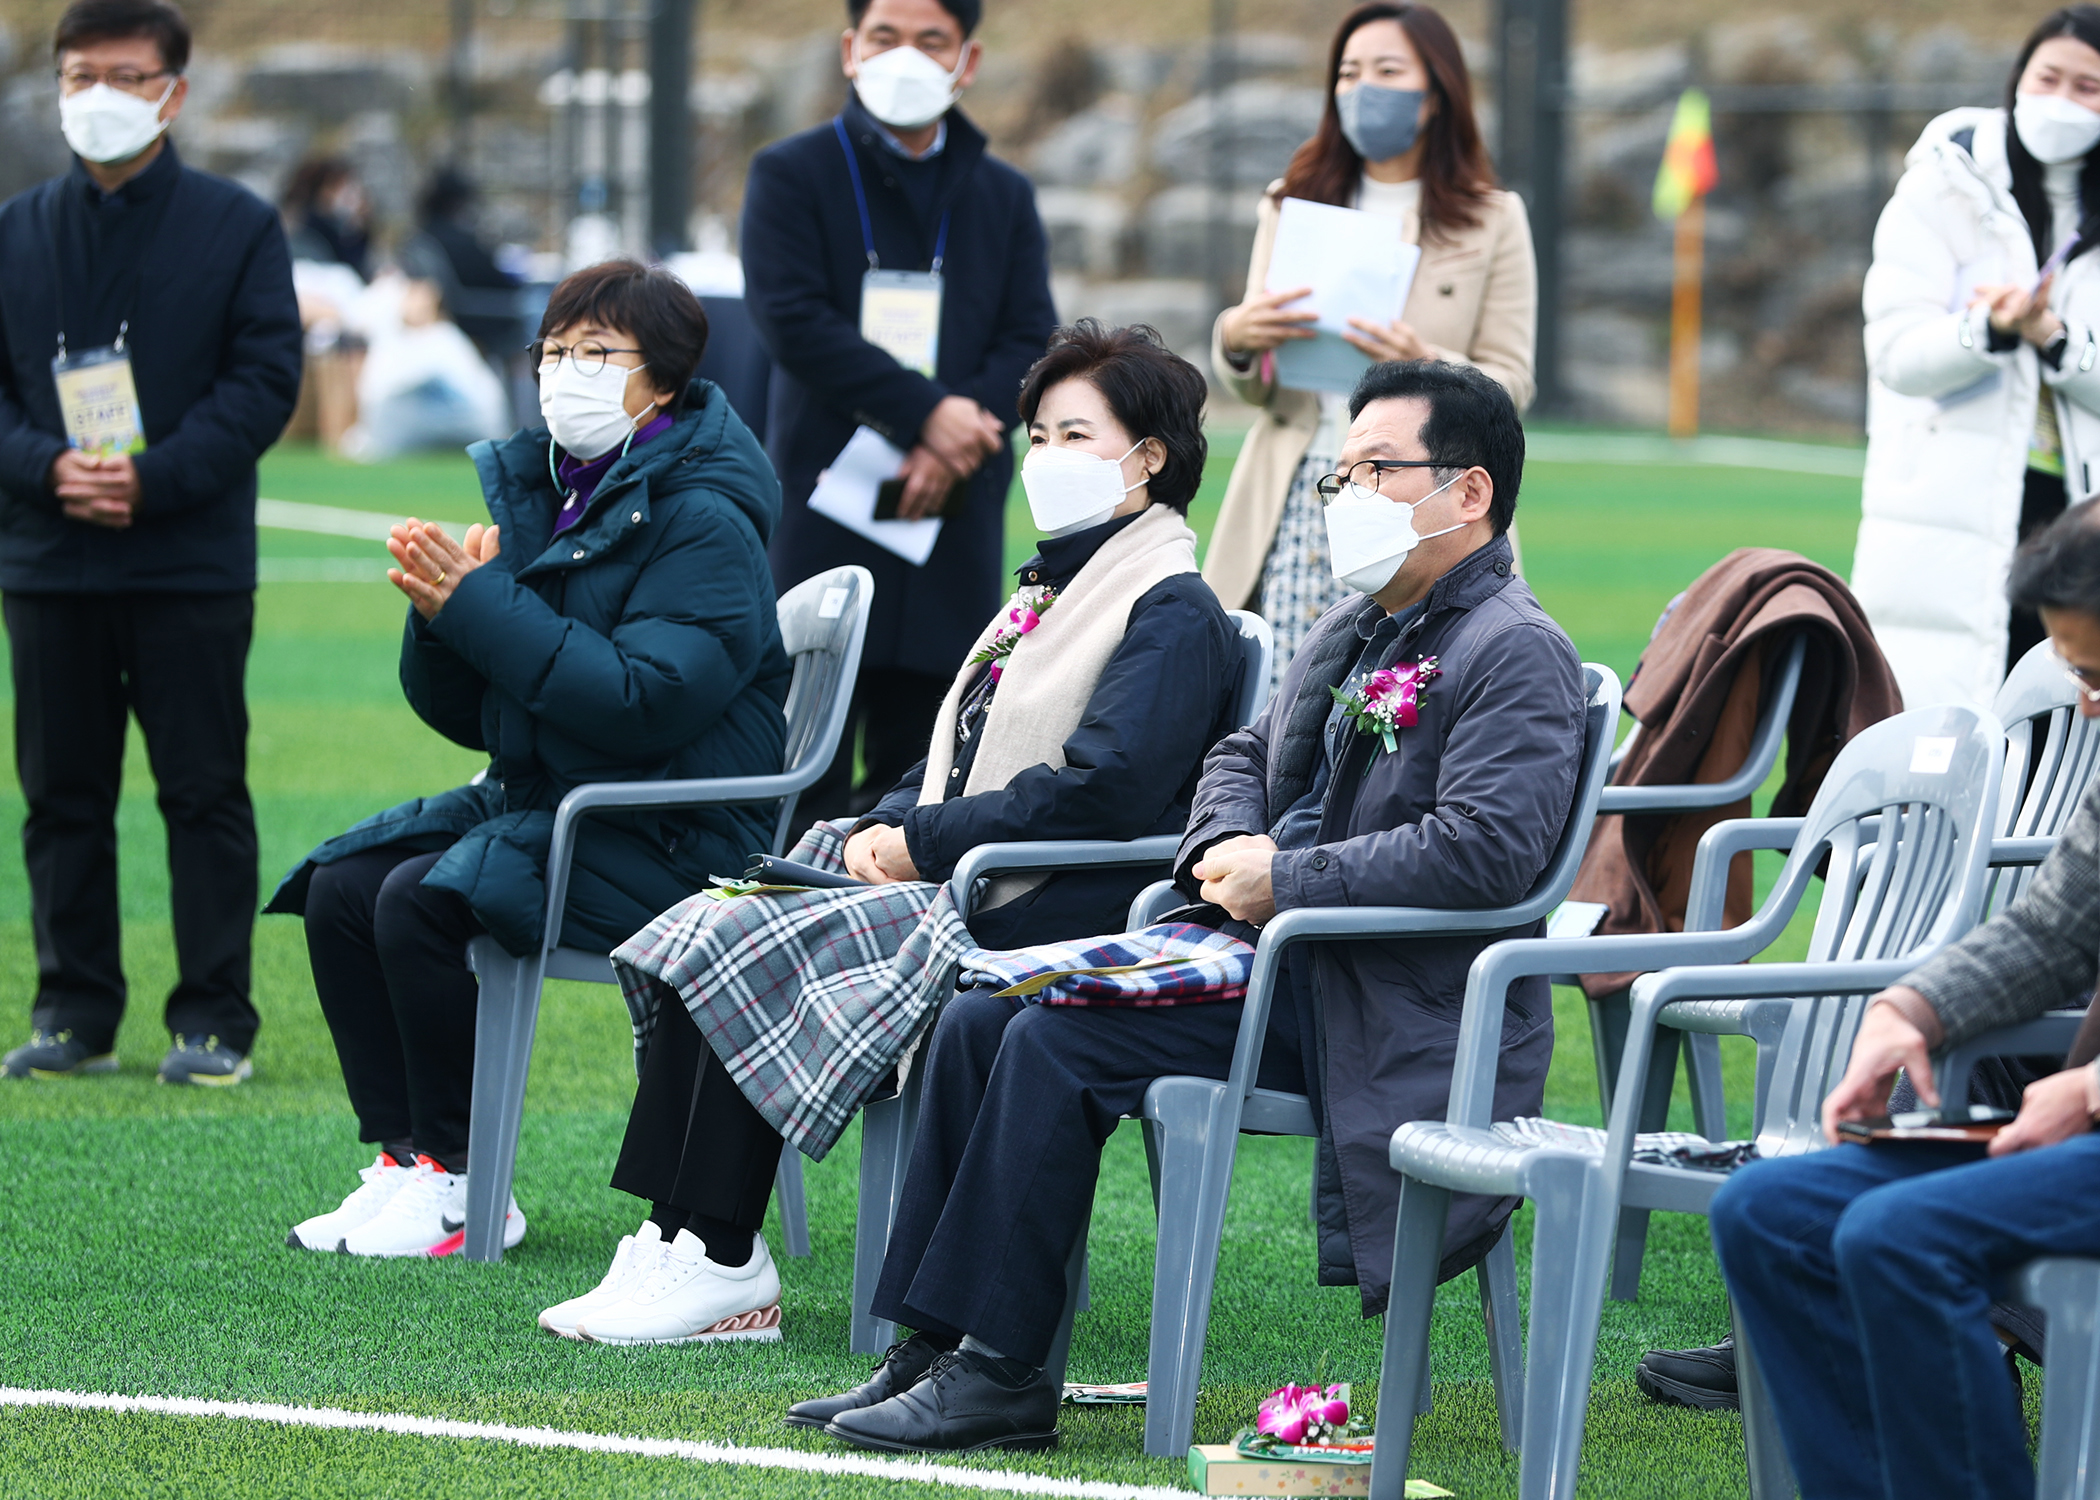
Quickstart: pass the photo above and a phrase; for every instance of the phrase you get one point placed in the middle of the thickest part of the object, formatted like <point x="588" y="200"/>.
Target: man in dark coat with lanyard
<point x="152" y="352"/>
<point x="897" y="196"/>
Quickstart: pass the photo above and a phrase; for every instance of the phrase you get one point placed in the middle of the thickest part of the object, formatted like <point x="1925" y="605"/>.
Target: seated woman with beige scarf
<point x="1083" y="712"/>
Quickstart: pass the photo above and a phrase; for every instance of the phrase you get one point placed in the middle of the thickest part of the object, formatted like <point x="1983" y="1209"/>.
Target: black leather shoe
<point x="904" y="1365"/>
<point x="1701" y="1378"/>
<point x="965" y="1403"/>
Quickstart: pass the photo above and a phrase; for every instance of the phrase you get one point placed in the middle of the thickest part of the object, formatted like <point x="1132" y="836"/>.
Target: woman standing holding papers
<point x="1399" y="138"/>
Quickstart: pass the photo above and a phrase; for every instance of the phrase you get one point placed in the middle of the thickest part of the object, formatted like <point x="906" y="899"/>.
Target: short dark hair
<point x="1472" y="423"/>
<point x="649" y="302"/>
<point x="1153" y="392"/>
<point x="966" y="12"/>
<point x="2059" y="566"/>
<point x="88" y="21"/>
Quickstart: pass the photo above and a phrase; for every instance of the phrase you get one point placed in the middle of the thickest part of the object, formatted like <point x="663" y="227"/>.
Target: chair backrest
<point x="2051" y="753"/>
<point x="1782" y="684"/>
<point x="823" y="621"/>
<point x="1904" y="819"/>
<point x="1600" y="721"/>
<point x="1257" y="652"/>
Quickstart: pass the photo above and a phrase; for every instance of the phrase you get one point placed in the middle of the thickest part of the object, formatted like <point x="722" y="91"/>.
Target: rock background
<point x="1105" y="106"/>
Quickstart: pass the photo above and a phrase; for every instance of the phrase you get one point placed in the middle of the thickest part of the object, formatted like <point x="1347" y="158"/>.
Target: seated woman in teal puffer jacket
<point x="615" y="621"/>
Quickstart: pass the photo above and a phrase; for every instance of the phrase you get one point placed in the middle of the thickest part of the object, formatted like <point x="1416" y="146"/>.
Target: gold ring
<point x="439" y="579"/>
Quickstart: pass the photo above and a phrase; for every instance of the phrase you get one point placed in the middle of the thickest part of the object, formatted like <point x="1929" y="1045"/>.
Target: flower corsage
<point x="1386" y="701"/>
<point x="1024" y="612"/>
<point x="1299" y="1420"/>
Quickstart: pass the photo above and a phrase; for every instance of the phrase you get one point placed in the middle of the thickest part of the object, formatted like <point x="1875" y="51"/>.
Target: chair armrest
<point x="601" y="795"/>
<point x="1762" y="754"/>
<point x="2020" y="851"/>
<point x="2049" y="1034"/>
<point x="1718" y="847"/>
<point x="1057" y="854"/>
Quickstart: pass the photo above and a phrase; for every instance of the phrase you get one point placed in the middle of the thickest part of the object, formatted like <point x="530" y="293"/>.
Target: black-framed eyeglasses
<point x="589" y="356"/>
<point x="1331" y="485"/>
<point x="124" y="80"/>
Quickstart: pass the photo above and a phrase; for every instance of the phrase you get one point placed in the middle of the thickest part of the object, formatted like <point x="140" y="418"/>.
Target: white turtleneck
<point x="2060" y="183"/>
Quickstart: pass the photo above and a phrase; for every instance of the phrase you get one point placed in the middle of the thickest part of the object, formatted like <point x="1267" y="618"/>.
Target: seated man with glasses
<point x="1864" y="1276"/>
<point x="1422" y="751"/>
<point x="615" y="622"/>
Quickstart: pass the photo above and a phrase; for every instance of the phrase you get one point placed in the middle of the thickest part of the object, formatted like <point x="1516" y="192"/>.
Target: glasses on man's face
<point x="1369" y="474"/>
<point x="589" y="357"/>
<point x="2078" y="677"/>
<point x="123" y="80"/>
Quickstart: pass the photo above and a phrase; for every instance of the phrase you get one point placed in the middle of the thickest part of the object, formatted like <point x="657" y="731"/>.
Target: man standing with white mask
<point x="1422" y="751"/>
<point x="152" y="353"/>
<point x="899" y="278"/>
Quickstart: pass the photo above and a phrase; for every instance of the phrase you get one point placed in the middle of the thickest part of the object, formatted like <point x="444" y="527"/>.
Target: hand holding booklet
<point x="1357" y="266"/>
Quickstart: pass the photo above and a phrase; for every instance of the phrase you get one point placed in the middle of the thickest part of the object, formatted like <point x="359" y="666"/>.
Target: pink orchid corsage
<point x="1023" y="613"/>
<point x="1388" y="700"/>
<point x="1300" y="1414"/>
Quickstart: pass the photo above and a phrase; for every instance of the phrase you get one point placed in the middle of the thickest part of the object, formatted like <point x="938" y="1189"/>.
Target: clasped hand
<point x="879" y="855"/>
<point x="2014" y="309"/>
<point x="431" y="564"/>
<point x="2052" y="1109"/>
<point x="99" y="491"/>
<point x="1235" y="875"/>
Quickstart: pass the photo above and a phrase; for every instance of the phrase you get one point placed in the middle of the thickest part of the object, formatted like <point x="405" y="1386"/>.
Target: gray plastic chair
<point x="1702" y="1054"/>
<point x="1193" y="1125"/>
<point x="888" y="1126"/>
<point x="1921" y="788"/>
<point x="823" y="621"/>
<point x="2051" y="754"/>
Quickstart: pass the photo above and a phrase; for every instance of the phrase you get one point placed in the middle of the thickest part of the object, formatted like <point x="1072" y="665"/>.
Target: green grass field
<point x="141" y="1229"/>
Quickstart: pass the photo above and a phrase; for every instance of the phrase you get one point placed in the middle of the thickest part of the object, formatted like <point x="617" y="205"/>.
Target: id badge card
<point x="900" y="314"/>
<point x="99" y="402"/>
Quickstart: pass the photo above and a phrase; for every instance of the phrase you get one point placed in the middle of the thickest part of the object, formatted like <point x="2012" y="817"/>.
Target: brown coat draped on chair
<point x="1697" y="694"/>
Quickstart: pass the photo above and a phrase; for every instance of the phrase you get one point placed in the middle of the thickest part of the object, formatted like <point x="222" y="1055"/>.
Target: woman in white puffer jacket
<point x="1965" y="336"/>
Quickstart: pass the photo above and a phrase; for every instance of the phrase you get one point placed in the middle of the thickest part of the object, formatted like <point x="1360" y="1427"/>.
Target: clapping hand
<point x="2014" y="309"/>
<point x="431" y="564"/>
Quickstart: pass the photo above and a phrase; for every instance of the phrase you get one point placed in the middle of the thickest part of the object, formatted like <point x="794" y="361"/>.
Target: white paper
<point x="845" y="493"/>
<point x="1357" y="266"/>
<point x="1575" y="919"/>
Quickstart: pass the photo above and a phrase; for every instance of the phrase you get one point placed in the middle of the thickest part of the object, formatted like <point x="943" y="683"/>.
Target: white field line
<point x="334" y="520"/>
<point x="1716" y="451"/>
<point x="918" y="1470"/>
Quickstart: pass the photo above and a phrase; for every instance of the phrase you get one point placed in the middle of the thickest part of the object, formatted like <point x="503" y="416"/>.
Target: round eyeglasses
<point x="589" y="357"/>
<point x="123" y="80"/>
<point x="1369" y="474"/>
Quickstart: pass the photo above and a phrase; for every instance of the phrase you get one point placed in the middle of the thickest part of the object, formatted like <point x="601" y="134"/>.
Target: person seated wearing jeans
<point x="1863" y="1275"/>
<point x="1299" y="810"/>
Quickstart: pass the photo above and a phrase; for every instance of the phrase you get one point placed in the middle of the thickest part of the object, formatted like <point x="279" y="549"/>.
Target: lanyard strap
<point x="860" y="201"/>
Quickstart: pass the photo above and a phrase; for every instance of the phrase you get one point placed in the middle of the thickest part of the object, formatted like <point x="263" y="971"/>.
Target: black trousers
<point x="693" y="1139"/>
<point x="2041" y="501"/>
<point x="389" y="956"/>
<point x="892" y="722"/>
<point x="83" y="663"/>
<point x="1018" y="1101"/>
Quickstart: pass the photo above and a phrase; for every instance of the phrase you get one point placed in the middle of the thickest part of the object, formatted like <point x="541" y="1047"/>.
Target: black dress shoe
<point x="1701" y="1378"/>
<point x="903" y="1366"/>
<point x="966" y="1402"/>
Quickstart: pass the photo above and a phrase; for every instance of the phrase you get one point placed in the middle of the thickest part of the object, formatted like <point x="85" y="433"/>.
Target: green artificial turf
<point x="141" y="1229"/>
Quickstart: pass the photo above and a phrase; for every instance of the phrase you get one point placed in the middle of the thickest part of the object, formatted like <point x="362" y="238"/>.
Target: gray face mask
<point x="1379" y="122"/>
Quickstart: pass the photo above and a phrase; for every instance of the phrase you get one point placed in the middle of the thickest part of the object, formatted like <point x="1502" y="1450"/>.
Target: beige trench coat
<point x="1474" y="301"/>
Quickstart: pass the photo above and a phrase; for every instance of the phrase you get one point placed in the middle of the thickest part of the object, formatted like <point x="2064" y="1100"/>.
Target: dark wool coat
<point x="803" y="263"/>
<point x="1464" y="814"/>
<point x="198" y="266"/>
<point x="641" y="645"/>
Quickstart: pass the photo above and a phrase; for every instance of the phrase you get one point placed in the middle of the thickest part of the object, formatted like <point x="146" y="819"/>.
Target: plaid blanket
<point x="1173" y="963"/>
<point x="808" y="998"/>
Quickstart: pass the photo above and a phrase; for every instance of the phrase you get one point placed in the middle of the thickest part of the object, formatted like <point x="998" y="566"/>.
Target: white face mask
<point x="1369" y="536"/>
<point x="1070" y="489"/>
<point x="2053" y="128"/>
<point x="588" y="413"/>
<point x="104" y="125"/>
<point x="903" y="87"/>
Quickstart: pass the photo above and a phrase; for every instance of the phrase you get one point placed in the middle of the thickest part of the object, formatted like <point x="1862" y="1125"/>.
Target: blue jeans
<point x="1863" y="1277"/>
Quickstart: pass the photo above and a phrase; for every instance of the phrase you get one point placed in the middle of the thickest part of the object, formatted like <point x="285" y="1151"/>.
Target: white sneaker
<point x="428" y="1216"/>
<point x="690" y="1299"/>
<point x="638" y="1255"/>
<point x="384" y="1178"/>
